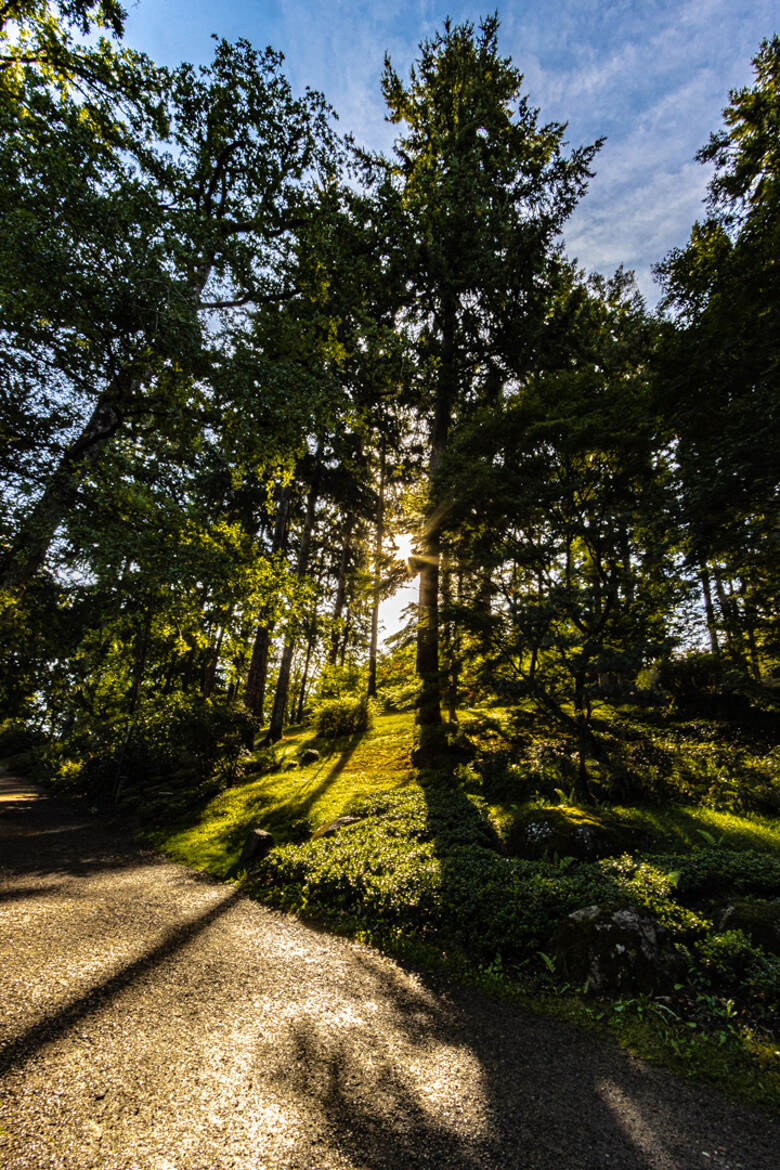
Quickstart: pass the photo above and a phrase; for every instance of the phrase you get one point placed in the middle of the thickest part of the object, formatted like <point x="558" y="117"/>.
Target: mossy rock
<point x="615" y="949"/>
<point x="759" y="920"/>
<point x="570" y="832"/>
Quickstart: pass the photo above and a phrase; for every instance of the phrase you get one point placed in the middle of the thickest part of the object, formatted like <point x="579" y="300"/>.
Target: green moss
<point x="290" y="804"/>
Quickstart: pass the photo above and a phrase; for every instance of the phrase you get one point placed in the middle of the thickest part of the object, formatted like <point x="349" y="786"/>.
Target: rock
<point x="309" y="756"/>
<point x="258" y="843"/>
<point x="266" y="762"/>
<point x="615" y="949"/>
<point x="333" y="828"/>
<point x="570" y="833"/>
<point x="291" y="765"/>
<point x="759" y="920"/>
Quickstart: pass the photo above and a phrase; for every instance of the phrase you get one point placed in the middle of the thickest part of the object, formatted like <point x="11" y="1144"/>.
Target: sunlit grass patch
<point x="692" y="827"/>
<point x="290" y="804"/>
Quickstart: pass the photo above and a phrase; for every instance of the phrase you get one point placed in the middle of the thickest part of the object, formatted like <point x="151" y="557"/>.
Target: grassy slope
<point x="291" y="804"/>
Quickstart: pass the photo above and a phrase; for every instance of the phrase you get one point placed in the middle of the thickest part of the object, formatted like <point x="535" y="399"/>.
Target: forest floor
<point x="154" y="1019"/>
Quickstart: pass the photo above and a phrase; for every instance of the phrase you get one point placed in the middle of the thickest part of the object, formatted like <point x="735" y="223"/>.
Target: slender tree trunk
<point x="709" y="611"/>
<point x="254" y="692"/>
<point x="429" y="720"/>
<point x="731" y="622"/>
<point x="276" y="726"/>
<point x="749" y="624"/>
<point x="582" y="711"/>
<point x="378" y="539"/>
<point x="305" y="676"/>
<point x="341" y="592"/>
<point x="625" y="556"/>
<point x="448" y="631"/>
<point x="345" y="636"/>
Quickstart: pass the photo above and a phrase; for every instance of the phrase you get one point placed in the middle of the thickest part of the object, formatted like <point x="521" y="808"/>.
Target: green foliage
<point x="731" y="959"/>
<point x="190" y="743"/>
<point x="347" y="715"/>
<point x="339" y="680"/>
<point x="717" y="384"/>
<point x="711" y="871"/>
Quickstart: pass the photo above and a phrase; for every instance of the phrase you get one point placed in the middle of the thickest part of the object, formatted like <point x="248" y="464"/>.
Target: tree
<point x="135" y="240"/>
<point x="563" y="506"/>
<point x="720" y="367"/>
<point x="484" y="189"/>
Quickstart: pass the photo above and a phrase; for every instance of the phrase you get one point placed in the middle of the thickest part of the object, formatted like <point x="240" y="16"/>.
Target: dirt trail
<point x="153" y="1020"/>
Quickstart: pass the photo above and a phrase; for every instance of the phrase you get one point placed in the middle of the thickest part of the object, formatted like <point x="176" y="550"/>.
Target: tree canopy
<point x="242" y="356"/>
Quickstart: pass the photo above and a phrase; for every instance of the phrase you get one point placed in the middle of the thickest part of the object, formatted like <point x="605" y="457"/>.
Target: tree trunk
<point x="582" y="712"/>
<point x="451" y="671"/>
<point x="731" y="622"/>
<point x="33" y="541"/>
<point x="341" y="592"/>
<point x="379" y="536"/>
<point x="254" y="692"/>
<point x="276" y="726"/>
<point x="305" y="676"/>
<point x="429" y="720"/>
<point x="709" y="610"/>
<point x="345" y="636"/>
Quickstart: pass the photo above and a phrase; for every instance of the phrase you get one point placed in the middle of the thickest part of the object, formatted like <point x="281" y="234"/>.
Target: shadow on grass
<point x="296" y="809"/>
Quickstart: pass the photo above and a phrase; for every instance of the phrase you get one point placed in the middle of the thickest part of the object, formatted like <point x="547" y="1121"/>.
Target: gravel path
<point x="154" y="1020"/>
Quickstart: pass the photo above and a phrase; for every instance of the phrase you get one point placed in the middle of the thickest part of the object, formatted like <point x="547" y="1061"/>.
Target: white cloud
<point x="651" y="75"/>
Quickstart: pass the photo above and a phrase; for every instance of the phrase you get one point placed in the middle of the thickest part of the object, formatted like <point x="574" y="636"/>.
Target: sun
<point x="404" y="542"/>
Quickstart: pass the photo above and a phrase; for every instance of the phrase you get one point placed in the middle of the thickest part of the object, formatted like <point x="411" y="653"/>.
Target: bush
<point x="181" y="741"/>
<point x="715" y="870"/>
<point x="421" y="866"/>
<point x="344" y="716"/>
<point x="733" y="963"/>
<point x="703" y="683"/>
<point x="264" y="761"/>
<point x="17" y="738"/>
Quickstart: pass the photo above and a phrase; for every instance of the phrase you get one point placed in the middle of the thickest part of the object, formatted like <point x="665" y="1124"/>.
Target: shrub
<point x="703" y="683"/>
<point x="17" y="738"/>
<point x="180" y="741"/>
<point x="715" y="870"/>
<point x="733" y="963"/>
<point x="344" y="716"/>
<point x="265" y="760"/>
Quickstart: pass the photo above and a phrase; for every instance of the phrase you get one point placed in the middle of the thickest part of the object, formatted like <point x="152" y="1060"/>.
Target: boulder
<point x="565" y="832"/>
<point x="611" y="949"/>
<point x="310" y="756"/>
<point x="333" y="828"/>
<point x="759" y="920"/>
<point x="258" y="843"/>
<point x="291" y="765"/>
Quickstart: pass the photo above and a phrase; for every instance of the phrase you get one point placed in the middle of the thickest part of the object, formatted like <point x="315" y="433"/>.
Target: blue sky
<point x="651" y="75"/>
